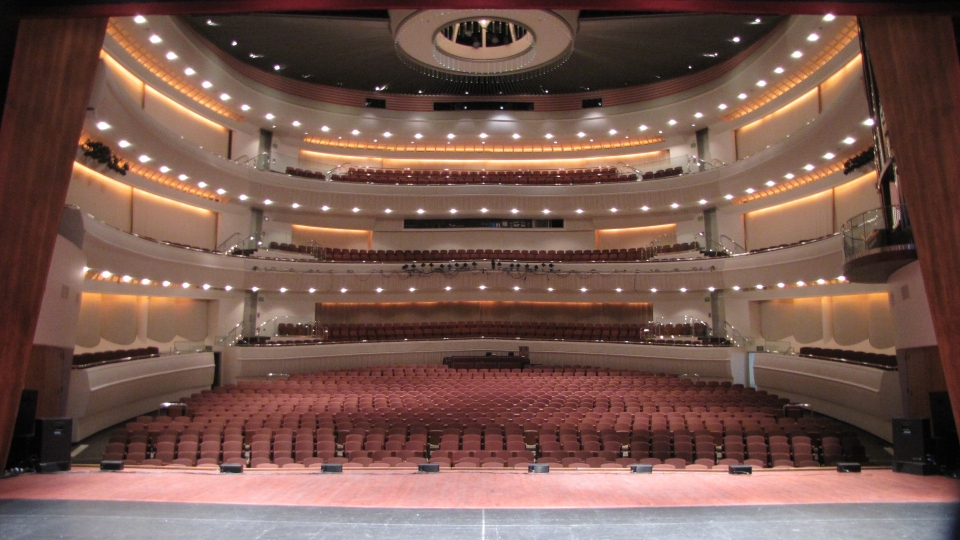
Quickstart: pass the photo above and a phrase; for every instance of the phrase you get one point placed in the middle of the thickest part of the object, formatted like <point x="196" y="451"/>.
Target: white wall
<point x="911" y="311"/>
<point x="245" y="144"/>
<point x="60" y="308"/>
<point x="690" y="231"/>
<point x="229" y="223"/>
<point x="689" y="309"/>
<point x="723" y="146"/>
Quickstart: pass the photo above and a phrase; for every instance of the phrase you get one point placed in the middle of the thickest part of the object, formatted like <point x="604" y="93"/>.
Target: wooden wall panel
<point x="51" y="75"/>
<point x="915" y="63"/>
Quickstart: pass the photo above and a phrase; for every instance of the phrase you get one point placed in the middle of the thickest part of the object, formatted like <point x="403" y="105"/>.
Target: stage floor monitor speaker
<point x="741" y="469"/>
<point x="51" y="444"/>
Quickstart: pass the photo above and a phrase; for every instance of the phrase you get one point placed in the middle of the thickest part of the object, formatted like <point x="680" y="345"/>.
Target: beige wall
<point x="331" y="238"/>
<point x="855" y="322"/>
<point x="636" y="237"/>
<point x="164" y="219"/>
<point x="112" y="321"/>
<point x="104" y="198"/>
<point x="856" y="197"/>
<point x="810" y="217"/>
<point x="637" y="312"/>
<point x="775" y="127"/>
<point x="184" y="122"/>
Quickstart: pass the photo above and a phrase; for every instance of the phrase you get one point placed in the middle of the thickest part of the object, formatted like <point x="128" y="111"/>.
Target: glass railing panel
<point x="875" y="229"/>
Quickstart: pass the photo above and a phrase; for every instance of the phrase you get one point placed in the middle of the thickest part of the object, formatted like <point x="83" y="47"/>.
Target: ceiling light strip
<point x="175" y="81"/>
<point x="827" y="53"/>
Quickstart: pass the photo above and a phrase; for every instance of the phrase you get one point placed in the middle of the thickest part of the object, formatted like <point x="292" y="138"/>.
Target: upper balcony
<point x="877" y="243"/>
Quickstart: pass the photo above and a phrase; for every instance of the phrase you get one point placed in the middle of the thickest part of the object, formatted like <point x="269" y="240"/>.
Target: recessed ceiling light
<point x="413" y="289"/>
<point x="672" y="122"/>
<point x="164" y="169"/>
<point x="581" y="134"/>
<point x="778" y="70"/>
<point x="355" y="210"/>
<point x="514" y="211"/>
<point x="869" y="122"/>
<point x="167" y="284"/>
<point x="103" y="125"/>
<point x="781" y="285"/>
<point x="483" y="135"/>
<point x="420" y="210"/>
<point x="206" y="287"/>
<point x="482" y="287"/>
<point x="255" y="289"/>
<point x="579" y="210"/>
<point x="653" y="289"/>
<point x="388" y="211"/>
<point x="813" y="37"/>
<point x="379" y="289"/>
<point x="789" y="176"/>
<point x="849" y="140"/>
<point x="583" y="289"/>
<point x="387" y="134"/>
<point x="728" y="196"/>
<point x="139" y="19"/>
<point x="126" y="279"/>
<point x="483" y="210"/>
<point x="278" y="67"/>
<point x="683" y="289"/>
<point x="771" y="183"/>
<point x="453" y="210"/>
<point x="698" y="115"/>
<point x="614" y="210"/>
<point x="829" y="17"/>
<point x="269" y="116"/>
<point x="548" y="136"/>
<point x="742" y="96"/>
<point x="722" y="106"/>
<point x="155" y="39"/>
<point x="183" y="177"/>
<point x="618" y="289"/>
<point x="295" y="123"/>
<point x="244" y="107"/>
<point x="221" y="191"/>
<point x="612" y="132"/>
<point x="736" y="287"/>
<point x="675" y="205"/>
<point x="829" y="155"/>
<point x="451" y="136"/>
<point x="243" y="197"/>
<point x="549" y="289"/>
<point x="760" y="287"/>
<point x="750" y="190"/>
<point x="144" y="158"/>
<point x="343" y="290"/>
<point x="267" y="202"/>
<point x="800" y="284"/>
<point x="324" y="208"/>
<point x="123" y="143"/>
<point x="546" y="211"/>
<point x="185" y="285"/>
<point x="355" y="132"/>
<point x="711" y="289"/>
<point x="736" y="39"/>
<point x="189" y="71"/>
<point x="171" y="55"/>
<point x="644" y="208"/>
<point x="841" y="279"/>
<point x="227" y="288"/>
<point x="702" y="201"/>
<point x="797" y="54"/>
<point x="206" y="84"/>
<point x="761" y="83"/>
<point x="643" y="127"/>
<point x="808" y="167"/>
<point x="295" y="205"/>
<point x="516" y="287"/>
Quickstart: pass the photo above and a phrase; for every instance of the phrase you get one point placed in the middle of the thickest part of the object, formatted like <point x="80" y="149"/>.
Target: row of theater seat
<point x="573" y="416"/>
<point x="880" y="360"/>
<point x="85" y="359"/>
<point x="418" y="177"/>
<point x="443" y="255"/>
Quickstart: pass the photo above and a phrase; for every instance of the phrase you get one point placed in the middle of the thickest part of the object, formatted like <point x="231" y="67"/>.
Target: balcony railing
<point x="875" y="229"/>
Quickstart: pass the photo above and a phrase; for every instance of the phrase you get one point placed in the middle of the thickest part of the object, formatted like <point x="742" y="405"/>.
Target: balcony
<point x="876" y="244"/>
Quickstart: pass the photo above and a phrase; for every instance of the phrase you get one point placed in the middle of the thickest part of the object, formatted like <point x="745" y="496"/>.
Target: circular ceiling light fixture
<point x="481" y="45"/>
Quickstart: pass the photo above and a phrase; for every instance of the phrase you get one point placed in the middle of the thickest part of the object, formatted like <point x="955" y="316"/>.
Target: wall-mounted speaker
<point x="641" y="468"/>
<point x="331" y="467"/>
<point x="741" y="469"/>
<point x="538" y="468"/>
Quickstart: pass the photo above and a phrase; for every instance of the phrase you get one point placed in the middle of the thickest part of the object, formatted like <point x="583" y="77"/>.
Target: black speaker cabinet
<point x="911" y="439"/>
<point x="111" y="465"/>
<point x="51" y="444"/>
<point x="232" y="468"/>
<point x="914" y="467"/>
<point x="331" y="467"/>
<point x="741" y="469"/>
<point x="641" y="468"/>
<point x="848" y="467"/>
<point x="538" y="468"/>
<point x="429" y="467"/>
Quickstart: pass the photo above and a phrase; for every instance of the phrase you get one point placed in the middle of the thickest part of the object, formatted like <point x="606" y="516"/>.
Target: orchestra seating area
<point x="667" y="334"/>
<point x="886" y="361"/>
<point x="86" y="359"/>
<point x="443" y="255"/>
<point x="400" y="416"/>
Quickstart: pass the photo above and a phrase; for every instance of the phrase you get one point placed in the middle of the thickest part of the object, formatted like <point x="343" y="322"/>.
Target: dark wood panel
<point x="52" y="73"/>
<point x="917" y="71"/>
